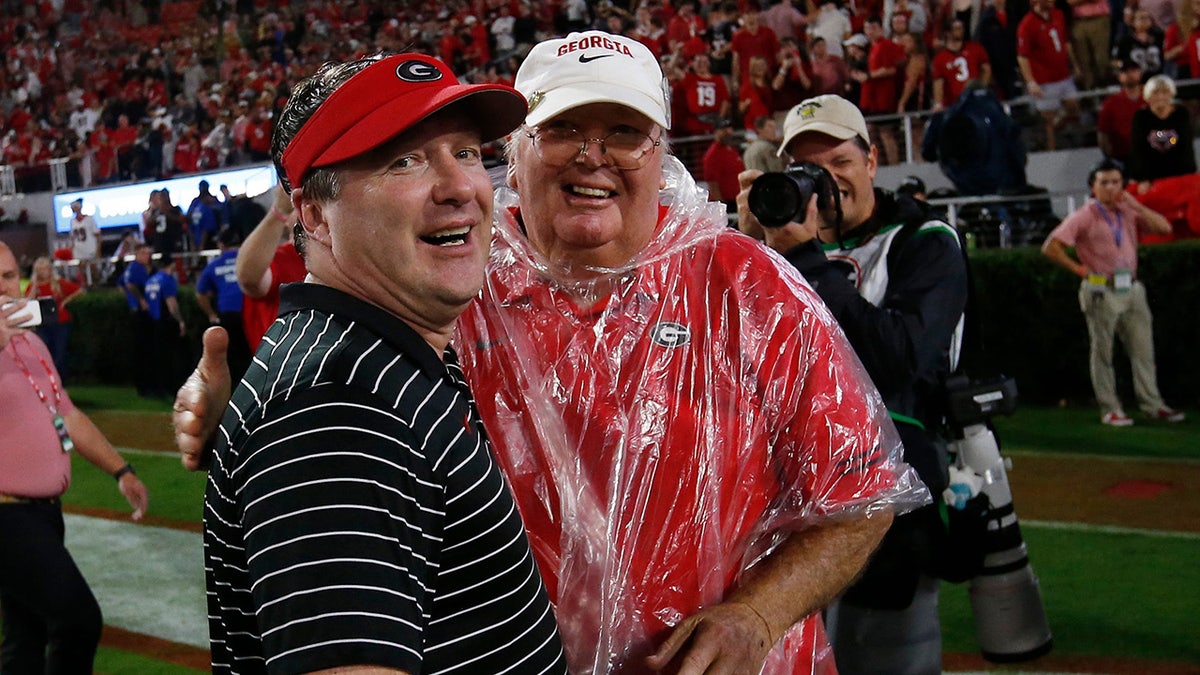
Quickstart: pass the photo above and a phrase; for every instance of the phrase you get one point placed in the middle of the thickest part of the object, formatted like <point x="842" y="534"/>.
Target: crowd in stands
<point x="137" y="89"/>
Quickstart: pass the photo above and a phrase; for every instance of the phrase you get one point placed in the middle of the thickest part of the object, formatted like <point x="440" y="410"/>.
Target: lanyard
<point x="1118" y="231"/>
<point x="51" y="406"/>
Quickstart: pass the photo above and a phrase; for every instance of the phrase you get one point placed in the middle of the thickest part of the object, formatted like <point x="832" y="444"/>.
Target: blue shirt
<point x="202" y="218"/>
<point x="135" y="273"/>
<point x="220" y="277"/>
<point x="159" y="287"/>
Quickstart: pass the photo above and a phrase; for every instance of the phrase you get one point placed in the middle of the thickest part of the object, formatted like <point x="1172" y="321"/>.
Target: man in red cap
<point x="355" y="519"/>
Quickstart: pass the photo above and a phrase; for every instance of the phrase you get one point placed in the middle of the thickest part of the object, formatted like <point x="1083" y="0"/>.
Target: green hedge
<point x="1028" y="313"/>
<point x="102" y="347"/>
<point x="1033" y="329"/>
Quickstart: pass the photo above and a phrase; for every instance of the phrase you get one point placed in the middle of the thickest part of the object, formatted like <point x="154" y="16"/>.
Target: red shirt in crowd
<point x="722" y="164"/>
<point x="702" y="95"/>
<point x="66" y="288"/>
<point x="747" y="45"/>
<point x="880" y="95"/>
<point x="956" y="69"/>
<point x="1116" y="121"/>
<point x="1045" y="42"/>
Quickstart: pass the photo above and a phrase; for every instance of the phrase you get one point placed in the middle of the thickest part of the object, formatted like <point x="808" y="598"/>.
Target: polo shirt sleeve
<point x="1068" y="230"/>
<point x="341" y="515"/>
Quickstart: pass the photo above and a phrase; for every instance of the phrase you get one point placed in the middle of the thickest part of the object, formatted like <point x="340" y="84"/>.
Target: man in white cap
<point x="895" y="279"/>
<point x="662" y="393"/>
<point x="355" y="520"/>
<point x="699" y="460"/>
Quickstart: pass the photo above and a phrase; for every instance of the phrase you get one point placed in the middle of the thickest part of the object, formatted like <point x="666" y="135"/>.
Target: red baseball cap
<point x="385" y="99"/>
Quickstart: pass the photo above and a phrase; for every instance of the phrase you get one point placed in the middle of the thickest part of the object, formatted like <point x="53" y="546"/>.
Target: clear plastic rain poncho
<point x="665" y="425"/>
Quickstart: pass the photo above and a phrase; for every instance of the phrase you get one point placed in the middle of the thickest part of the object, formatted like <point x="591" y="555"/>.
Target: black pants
<point x="51" y="620"/>
<point x="143" y="343"/>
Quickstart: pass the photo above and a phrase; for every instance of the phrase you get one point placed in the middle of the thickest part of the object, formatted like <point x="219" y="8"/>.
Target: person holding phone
<point x="51" y="620"/>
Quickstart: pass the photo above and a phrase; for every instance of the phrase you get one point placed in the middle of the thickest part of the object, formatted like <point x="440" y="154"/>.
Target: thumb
<point x="214" y="362"/>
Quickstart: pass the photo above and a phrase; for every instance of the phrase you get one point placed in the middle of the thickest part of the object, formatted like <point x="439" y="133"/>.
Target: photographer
<point x="895" y="279"/>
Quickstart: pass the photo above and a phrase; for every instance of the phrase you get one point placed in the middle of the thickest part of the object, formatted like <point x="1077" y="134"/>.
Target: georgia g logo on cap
<point x="418" y="71"/>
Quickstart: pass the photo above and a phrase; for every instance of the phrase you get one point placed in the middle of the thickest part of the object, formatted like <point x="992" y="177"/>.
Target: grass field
<point x="1119" y="598"/>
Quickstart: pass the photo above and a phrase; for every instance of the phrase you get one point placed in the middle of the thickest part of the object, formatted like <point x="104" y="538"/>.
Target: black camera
<point x="777" y="199"/>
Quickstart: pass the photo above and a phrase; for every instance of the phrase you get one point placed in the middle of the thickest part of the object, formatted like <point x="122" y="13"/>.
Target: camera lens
<point x="776" y="199"/>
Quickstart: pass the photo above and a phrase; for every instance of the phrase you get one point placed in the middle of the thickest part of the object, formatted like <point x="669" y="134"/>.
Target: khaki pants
<point x="1126" y="315"/>
<point x="1089" y="37"/>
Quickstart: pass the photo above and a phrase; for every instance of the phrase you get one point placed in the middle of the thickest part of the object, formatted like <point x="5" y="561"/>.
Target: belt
<point x="14" y="499"/>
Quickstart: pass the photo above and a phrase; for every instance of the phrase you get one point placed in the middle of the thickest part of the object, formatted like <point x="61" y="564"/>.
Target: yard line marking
<point x="1110" y="529"/>
<point x="1101" y="457"/>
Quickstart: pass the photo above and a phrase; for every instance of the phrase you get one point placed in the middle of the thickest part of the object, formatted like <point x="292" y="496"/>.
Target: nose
<point x="454" y="184"/>
<point x="597" y="157"/>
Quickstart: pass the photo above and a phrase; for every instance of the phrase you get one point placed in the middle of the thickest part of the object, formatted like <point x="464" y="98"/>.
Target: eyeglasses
<point x="558" y="146"/>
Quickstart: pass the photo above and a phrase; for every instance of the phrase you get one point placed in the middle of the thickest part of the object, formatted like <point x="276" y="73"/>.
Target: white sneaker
<point x="1116" y="418"/>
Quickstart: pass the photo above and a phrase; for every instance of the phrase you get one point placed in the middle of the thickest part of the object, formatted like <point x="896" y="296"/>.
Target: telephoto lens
<point x="777" y="199"/>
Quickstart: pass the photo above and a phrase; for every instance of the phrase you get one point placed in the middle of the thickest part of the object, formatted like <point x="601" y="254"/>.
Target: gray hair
<point x="1159" y="82"/>
<point x="322" y="184"/>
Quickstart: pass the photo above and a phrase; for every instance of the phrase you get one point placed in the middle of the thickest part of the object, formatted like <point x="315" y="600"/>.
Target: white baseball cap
<point x="827" y="114"/>
<point x="592" y="67"/>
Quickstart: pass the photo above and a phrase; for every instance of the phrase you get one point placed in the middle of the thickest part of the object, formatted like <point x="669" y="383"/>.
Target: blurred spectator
<point x="831" y="25"/>
<point x="751" y="40"/>
<point x="755" y="97"/>
<point x="722" y="164"/>
<point x="976" y="144"/>
<point x="880" y="92"/>
<point x="1045" y="60"/>
<point x="502" y="30"/>
<point x="1142" y="45"/>
<point x="1090" y="38"/>
<point x="959" y="62"/>
<point x="1180" y="44"/>
<point x="830" y="74"/>
<point x="85" y="240"/>
<point x="54" y="331"/>
<point x="220" y="299"/>
<point x="162" y="304"/>
<point x="762" y="154"/>
<point x="997" y="35"/>
<point x="785" y="20"/>
<point x="857" y="46"/>
<point x="914" y="93"/>
<point x="1164" y="12"/>
<point x="266" y="260"/>
<point x="204" y="219"/>
<point x="915" y="18"/>
<point x="684" y="26"/>
<point x="1115" y="122"/>
<point x="1162" y="157"/>
<point x="705" y="97"/>
<point x="912" y="186"/>
<point x="722" y="21"/>
<point x="791" y="81"/>
<point x="133" y="282"/>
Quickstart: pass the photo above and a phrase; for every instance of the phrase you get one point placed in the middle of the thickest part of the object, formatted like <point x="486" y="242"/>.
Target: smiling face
<point x="410" y="229"/>
<point x="588" y="212"/>
<point x="853" y="169"/>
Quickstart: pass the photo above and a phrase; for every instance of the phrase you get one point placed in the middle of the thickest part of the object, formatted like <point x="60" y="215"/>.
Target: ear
<point x="872" y="161"/>
<point x="312" y="217"/>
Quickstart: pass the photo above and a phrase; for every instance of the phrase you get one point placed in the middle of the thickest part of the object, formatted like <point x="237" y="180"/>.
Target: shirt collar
<point x="391" y="329"/>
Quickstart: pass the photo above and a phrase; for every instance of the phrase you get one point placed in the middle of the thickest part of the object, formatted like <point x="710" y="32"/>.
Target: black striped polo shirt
<point x="354" y="513"/>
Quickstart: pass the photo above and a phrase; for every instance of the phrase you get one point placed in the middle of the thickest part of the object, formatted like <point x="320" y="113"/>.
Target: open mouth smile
<point x="455" y="236"/>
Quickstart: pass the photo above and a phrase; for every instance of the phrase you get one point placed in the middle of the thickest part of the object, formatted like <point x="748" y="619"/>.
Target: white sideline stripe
<point x="1007" y="672"/>
<point x="148" y="580"/>
<point x="1100" y="457"/>
<point x="1110" y="529"/>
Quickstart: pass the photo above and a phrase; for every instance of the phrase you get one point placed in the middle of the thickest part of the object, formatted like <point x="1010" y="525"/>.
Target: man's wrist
<point x="128" y="468"/>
